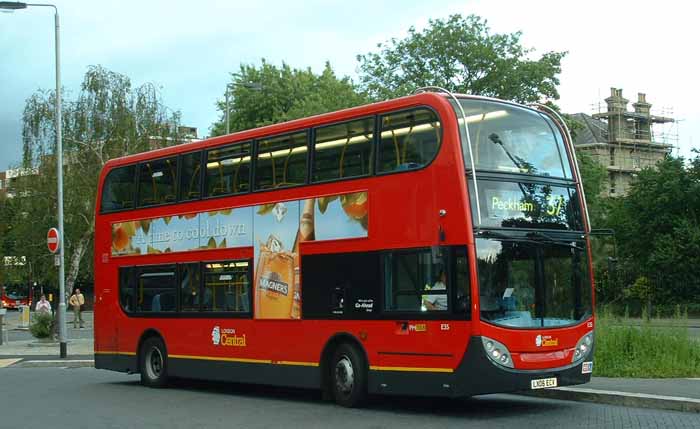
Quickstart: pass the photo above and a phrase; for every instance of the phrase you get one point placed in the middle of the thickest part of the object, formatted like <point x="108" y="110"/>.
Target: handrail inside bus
<point x="569" y="141"/>
<point x="469" y="143"/>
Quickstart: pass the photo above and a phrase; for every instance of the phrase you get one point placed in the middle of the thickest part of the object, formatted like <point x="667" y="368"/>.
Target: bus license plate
<point x="543" y="383"/>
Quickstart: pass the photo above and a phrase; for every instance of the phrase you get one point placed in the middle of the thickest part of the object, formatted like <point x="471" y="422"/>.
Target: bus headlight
<point x="583" y="347"/>
<point x="497" y="352"/>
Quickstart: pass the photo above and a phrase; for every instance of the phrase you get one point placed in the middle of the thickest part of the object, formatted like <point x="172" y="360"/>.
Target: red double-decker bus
<point x="435" y="244"/>
<point x="16" y="295"/>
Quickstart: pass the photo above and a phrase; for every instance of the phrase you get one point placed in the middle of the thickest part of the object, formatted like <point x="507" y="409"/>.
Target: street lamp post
<point x="250" y="85"/>
<point x="59" y="166"/>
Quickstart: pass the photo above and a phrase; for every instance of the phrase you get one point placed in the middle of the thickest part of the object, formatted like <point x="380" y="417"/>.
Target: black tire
<point x="348" y="376"/>
<point x="153" y="361"/>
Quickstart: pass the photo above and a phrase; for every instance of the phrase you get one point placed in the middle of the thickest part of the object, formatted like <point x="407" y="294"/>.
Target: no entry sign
<point x="52" y="240"/>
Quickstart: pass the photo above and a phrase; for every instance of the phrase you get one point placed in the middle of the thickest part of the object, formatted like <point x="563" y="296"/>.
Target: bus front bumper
<point x="477" y="374"/>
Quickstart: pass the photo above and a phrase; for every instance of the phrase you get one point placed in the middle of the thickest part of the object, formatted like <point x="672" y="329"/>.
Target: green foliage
<point x="594" y="177"/>
<point x="108" y="118"/>
<point x="42" y="323"/>
<point x="268" y="94"/>
<point x="658" y="232"/>
<point x="648" y="349"/>
<point x="460" y="54"/>
<point x="641" y="288"/>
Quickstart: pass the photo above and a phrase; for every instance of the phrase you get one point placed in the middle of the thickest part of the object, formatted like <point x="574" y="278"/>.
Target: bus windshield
<point x="531" y="283"/>
<point x="16" y="292"/>
<point x="511" y="139"/>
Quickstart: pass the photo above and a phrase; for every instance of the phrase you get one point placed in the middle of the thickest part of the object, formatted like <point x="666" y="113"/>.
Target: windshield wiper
<point x="535" y="237"/>
<point x="523" y="166"/>
<point x="493" y="234"/>
<point x="500" y="236"/>
<point x="546" y="238"/>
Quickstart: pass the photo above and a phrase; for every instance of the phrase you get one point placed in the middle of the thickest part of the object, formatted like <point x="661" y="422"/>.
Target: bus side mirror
<point x="602" y="232"/>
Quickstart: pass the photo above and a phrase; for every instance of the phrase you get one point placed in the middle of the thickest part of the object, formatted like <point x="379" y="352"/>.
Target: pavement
<point x="678" y="394"/>
<point x="20" y="349"/>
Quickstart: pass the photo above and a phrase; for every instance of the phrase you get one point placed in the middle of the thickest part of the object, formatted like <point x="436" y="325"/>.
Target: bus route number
<point x="554" y="204"/>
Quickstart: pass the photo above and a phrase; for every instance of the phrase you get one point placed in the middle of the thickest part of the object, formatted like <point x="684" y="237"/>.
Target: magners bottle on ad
<point x="274" y="281"/>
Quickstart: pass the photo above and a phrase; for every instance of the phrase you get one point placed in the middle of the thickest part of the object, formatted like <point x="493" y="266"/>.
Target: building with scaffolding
<point x="624" y="141"/>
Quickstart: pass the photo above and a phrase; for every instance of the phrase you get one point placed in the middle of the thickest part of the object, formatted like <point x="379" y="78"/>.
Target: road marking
<point x="61" y="361"/>
<point x="7" y="362"/>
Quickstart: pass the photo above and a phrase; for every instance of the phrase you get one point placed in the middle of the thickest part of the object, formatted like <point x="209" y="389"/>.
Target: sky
<point x="189" y="51"/>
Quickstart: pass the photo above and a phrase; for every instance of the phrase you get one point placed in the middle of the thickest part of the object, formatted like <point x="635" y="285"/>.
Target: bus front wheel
<point x="349" y="376"/>
<point x="154" y="363"/>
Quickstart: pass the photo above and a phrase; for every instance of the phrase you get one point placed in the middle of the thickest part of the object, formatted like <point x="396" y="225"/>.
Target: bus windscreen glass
<point x="510" y="139"/>
<point x="526" y="283"/>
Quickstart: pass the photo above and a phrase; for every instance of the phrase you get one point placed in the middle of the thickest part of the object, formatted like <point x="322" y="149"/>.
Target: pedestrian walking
<point x="76" y="301"/>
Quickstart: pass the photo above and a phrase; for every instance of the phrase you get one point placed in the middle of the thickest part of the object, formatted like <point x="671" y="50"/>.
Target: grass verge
<point x="626" y="348"/>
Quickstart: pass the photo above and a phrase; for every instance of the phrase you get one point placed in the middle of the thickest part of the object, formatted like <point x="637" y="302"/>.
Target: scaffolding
<point x="631" y="139"/>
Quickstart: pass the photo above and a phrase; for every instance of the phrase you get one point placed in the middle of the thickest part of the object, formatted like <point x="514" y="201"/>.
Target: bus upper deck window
<point x="281" y="161"/>
<point x="190" y="176"/>
<point x="343" y="150"/>
<point x="409" y="139"/>
<point x="228" y="170"/>
<point x="158" y="182"/>
<point x="118" y="190"/>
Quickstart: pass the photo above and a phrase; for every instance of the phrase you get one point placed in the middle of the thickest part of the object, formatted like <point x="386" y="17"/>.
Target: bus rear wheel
<point x="154" y="363"/>
<point x="348" y="376"/>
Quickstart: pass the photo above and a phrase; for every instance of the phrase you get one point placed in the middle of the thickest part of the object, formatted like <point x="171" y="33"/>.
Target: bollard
<point x="24" y="317"/>
<point x="2" y="322"/>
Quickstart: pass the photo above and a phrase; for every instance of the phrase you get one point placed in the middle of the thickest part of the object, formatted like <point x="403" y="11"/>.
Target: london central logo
<point x="227" y="337"/>
<point x="546" y="341"/>
<point x="216" y="335"/>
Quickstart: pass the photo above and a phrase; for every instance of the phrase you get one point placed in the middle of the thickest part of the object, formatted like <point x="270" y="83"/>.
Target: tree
<point x="594" y="177"/>
<point x="460" y="54"/>
<point x="658" y="231"/>
<point x="109" y="118"/>
<point x="27" y="219"/>
<point x="283" y="94"/>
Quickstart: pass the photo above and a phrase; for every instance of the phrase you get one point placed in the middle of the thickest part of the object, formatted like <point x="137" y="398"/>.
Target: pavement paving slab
<point x="663" y="394"/>
<point x="78" y="346"/>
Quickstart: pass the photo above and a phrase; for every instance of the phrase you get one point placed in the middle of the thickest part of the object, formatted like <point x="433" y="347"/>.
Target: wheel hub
<point x="344" y="375"/>
<point x="154" y="361"/>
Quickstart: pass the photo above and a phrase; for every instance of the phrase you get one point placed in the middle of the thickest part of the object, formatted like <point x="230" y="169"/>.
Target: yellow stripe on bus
<point x="109" y="352"/>
<point x="244" y="360"/>
<point x="223" y="359"/>
<point x="286" y="362"/>
<point x="409" y="369"/>
<point x="220" y="359"/>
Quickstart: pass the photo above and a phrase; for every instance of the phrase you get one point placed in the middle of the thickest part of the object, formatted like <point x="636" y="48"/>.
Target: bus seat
<point x="155" y="303"/>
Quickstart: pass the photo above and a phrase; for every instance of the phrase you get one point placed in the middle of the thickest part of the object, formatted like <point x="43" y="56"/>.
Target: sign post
<point x="53" y="242"/>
